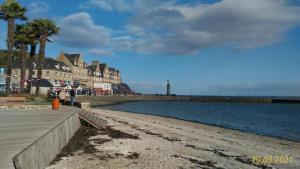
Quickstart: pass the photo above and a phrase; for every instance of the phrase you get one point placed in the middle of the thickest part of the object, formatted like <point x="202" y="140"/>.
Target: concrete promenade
<point x="20" y="128"/>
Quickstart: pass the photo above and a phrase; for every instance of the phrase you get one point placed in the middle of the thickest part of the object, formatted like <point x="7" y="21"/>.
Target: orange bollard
<point x="55" y="104"/>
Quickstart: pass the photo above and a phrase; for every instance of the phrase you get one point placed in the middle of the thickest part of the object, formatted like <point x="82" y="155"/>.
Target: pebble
<point x="25" y="107"/>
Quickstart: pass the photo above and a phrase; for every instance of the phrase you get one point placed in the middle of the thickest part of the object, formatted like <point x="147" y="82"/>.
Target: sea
<point x="274" y="120"/>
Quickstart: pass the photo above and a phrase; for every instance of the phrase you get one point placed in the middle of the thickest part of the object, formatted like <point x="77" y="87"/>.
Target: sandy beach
<point x="142" y="141"/>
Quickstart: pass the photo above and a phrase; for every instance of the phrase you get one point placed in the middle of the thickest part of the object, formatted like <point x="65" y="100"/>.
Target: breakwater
<point x="109" y="100"/>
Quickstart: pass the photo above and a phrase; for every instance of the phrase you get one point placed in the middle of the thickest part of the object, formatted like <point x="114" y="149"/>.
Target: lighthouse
<point x="168" y="88"/>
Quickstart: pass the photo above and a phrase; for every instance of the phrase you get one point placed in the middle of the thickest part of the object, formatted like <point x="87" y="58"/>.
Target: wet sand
<point x="143" y="141"/>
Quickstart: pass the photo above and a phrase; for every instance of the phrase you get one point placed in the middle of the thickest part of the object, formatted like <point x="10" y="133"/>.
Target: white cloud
<point x="126" y="5"/>
<point x="79" y="31"/>
<point x="122" y="43"/>
<point x="181" y="29"/>
<point x="109" y="5"/>
<point x="184" y="29"/>
<point x="37" y="9"/>
<point x="100" y="52"/>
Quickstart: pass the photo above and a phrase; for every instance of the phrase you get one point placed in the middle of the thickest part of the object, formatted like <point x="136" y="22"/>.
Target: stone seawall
<point x="109" y="100"/>
<point x="40" y="153"/>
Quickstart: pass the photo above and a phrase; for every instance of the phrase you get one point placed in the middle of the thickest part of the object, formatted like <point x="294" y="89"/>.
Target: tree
<point x="10" y="11"/>
<point x="22" y="39"/>
<point x="32" y="36"/>
<point x="45" y="28"/>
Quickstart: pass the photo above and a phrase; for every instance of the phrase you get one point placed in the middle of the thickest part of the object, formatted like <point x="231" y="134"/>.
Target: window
<point x="47" y="73"/>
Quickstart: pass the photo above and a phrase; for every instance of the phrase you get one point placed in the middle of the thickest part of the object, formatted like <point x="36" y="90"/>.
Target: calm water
<point x="276" y="120"/>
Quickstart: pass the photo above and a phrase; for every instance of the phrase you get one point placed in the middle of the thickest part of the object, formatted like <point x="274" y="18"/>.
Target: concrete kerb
<point x="41" y="152"/>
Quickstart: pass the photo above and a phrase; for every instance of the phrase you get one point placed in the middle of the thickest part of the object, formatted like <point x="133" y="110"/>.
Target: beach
<point x="143" y="141"/>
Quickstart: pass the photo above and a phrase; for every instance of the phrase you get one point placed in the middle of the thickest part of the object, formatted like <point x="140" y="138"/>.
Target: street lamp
<point x="15" y="81"/>
<point x="2" y="79"/>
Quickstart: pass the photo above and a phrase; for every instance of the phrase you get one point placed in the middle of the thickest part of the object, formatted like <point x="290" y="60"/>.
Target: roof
<point x="48" y="64"/>
<point x="111" y="69"/>
<point x="85" y="65"/>
<point x="42" y="83"/>
<point x="92" y="69"/>
<point x="102" y="66"/>
<point x="72" y="57"/>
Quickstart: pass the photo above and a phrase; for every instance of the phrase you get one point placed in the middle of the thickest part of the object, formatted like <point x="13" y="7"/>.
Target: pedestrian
<point x="62" y="96"/>
<point x="72" y="96"/>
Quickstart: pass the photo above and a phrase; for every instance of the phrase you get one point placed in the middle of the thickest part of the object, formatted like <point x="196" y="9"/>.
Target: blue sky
<point x="220" y="47"/>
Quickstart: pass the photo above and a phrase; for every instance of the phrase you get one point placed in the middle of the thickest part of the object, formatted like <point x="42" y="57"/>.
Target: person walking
<point x="72" y="96"/>
<point x="62" y="96"/>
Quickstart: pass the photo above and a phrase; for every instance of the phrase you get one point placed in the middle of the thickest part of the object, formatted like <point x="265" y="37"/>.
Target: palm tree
<point x="11" y="10"/>
<point x="32" y="36"/>
<point x="22" y="39"/>
<point x="45" y="28"/>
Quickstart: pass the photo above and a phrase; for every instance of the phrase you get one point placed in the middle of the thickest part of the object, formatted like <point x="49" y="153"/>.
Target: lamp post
<point x="2" y="79"/>
<point x="15" y="81"/>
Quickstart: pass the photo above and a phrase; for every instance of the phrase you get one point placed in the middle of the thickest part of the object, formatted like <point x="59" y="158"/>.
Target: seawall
<point x="108" y="100"/>
<point x="40" y="153"/>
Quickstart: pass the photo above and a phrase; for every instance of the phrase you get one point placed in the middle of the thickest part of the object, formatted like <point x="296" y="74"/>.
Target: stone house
<point x="57" y="73"/>
<point x="78" y="68"/>
<point x="104" y="72"/>
<point x="95" y="78"/>
<point x="114" y="76"/>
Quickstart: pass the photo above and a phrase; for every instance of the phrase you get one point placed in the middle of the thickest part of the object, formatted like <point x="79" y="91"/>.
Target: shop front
<point x="102" y="89"/>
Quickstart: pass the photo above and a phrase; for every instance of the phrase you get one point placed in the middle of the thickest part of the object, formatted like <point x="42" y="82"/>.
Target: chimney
<point x="94" y="62"/>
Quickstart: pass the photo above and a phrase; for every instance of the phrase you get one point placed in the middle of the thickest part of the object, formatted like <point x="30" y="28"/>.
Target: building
<point x="104" y="72"/>
<point x="105" y="84"/>
<point x="78" y="67"/>
<point x="114" y="76"/>
<point x="94" y="75"/>
<point x="57" y="73"/>
<point x="95" y="81"/>
<point x="102" y="77"/>
<point x="118" y="77"/>
<point x="66" y="71"/>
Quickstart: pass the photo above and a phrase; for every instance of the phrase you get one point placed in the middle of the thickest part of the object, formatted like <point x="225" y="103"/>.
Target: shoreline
<point x="159" y="142"/>
<point x="203" y="123"/>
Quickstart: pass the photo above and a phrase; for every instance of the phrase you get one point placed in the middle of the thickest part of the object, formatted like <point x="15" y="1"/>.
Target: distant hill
<point x="122" y="89"/>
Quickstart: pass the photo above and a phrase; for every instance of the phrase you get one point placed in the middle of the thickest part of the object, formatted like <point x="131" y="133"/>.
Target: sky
<point x="203" y="47"/>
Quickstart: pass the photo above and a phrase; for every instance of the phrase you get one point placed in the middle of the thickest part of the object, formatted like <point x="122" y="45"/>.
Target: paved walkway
<point x="18" y="129"/>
